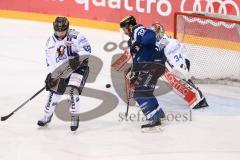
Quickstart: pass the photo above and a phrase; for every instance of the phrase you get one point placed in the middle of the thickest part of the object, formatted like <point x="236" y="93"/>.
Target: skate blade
<point x="155" y="129"/>
<point x="43" y="127"/>
<point x="164" y="122"/>
<point x="74" y="132"/>
<point x="201" y="110"/>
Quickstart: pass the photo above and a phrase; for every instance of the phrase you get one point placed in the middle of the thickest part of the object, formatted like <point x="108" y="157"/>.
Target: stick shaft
<point x="24" y="103"/>
<point x="126" y="114"/>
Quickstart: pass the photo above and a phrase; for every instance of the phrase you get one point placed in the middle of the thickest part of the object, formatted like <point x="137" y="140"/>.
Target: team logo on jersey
<point x="60" y="52"/>
<point x="60" y="58"/>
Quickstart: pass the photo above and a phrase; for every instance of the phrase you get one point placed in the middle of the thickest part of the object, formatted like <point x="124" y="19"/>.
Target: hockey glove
<point x="132" y="77"/>
<point x="84" y="62"/>
<point x="49" y="82"/>
<point x="135" y="47"/>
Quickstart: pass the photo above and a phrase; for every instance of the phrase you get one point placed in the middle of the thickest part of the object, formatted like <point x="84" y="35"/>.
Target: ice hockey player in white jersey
<point x="63" y="46"/>
<point x="177" y="62"/>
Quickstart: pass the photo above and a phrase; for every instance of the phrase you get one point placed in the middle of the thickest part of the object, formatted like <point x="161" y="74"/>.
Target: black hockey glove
<point x="84" y="62"/>
<point x="132" y="76"/>
<point x="49" y="82"/>
<point x="74" y="63"/>
<point x="188" y="64"/>
<point x="135" y="47"/>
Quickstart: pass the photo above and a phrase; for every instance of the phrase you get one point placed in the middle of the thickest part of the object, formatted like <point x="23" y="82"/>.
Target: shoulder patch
<point x="87" y="48"/>
<point x="73" y="33"/>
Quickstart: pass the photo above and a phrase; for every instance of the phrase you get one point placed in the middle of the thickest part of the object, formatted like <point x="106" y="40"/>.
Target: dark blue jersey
<point x="145" y="39"/>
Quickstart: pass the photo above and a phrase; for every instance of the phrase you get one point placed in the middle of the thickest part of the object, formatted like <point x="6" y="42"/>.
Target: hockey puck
<point x="108" y="85"/>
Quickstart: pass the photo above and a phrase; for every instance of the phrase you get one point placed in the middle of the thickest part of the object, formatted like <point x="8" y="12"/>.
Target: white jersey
<point x="175" y="54"/>
<point x="74" y="43"/>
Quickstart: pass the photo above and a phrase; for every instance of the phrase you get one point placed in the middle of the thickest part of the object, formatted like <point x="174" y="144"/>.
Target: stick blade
<point x="4" y="118"/>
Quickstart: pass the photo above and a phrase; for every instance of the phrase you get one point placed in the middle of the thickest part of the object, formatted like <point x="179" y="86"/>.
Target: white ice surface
<point x="212" y="134"/>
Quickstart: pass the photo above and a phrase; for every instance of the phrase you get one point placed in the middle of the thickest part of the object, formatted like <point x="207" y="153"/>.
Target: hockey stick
<point x="126" y="114"/>
<point x="128" y="93"/>
<point x="4" y="118"/>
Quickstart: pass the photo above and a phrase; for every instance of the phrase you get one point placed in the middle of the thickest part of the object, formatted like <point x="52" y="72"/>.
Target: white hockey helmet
<point x="158" y="29"/>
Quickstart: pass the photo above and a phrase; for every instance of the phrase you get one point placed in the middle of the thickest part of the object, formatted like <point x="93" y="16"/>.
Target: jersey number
<point x="178" y="57"/>
<point x="141" y="32"/>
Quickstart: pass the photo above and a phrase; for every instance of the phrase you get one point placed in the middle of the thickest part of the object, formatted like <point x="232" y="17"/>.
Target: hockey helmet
<point x="127" y="21"/>
<point x="158" y="29"/>
<point x="61" y="24"/>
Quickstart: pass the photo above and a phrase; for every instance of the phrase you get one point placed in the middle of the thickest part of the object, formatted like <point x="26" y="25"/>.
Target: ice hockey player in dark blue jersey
<point x="146" y="69"/>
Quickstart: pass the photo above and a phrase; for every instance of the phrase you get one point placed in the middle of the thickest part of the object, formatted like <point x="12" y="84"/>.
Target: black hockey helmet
<point x="127" y="21"/>
<point x="61" y="24"/>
